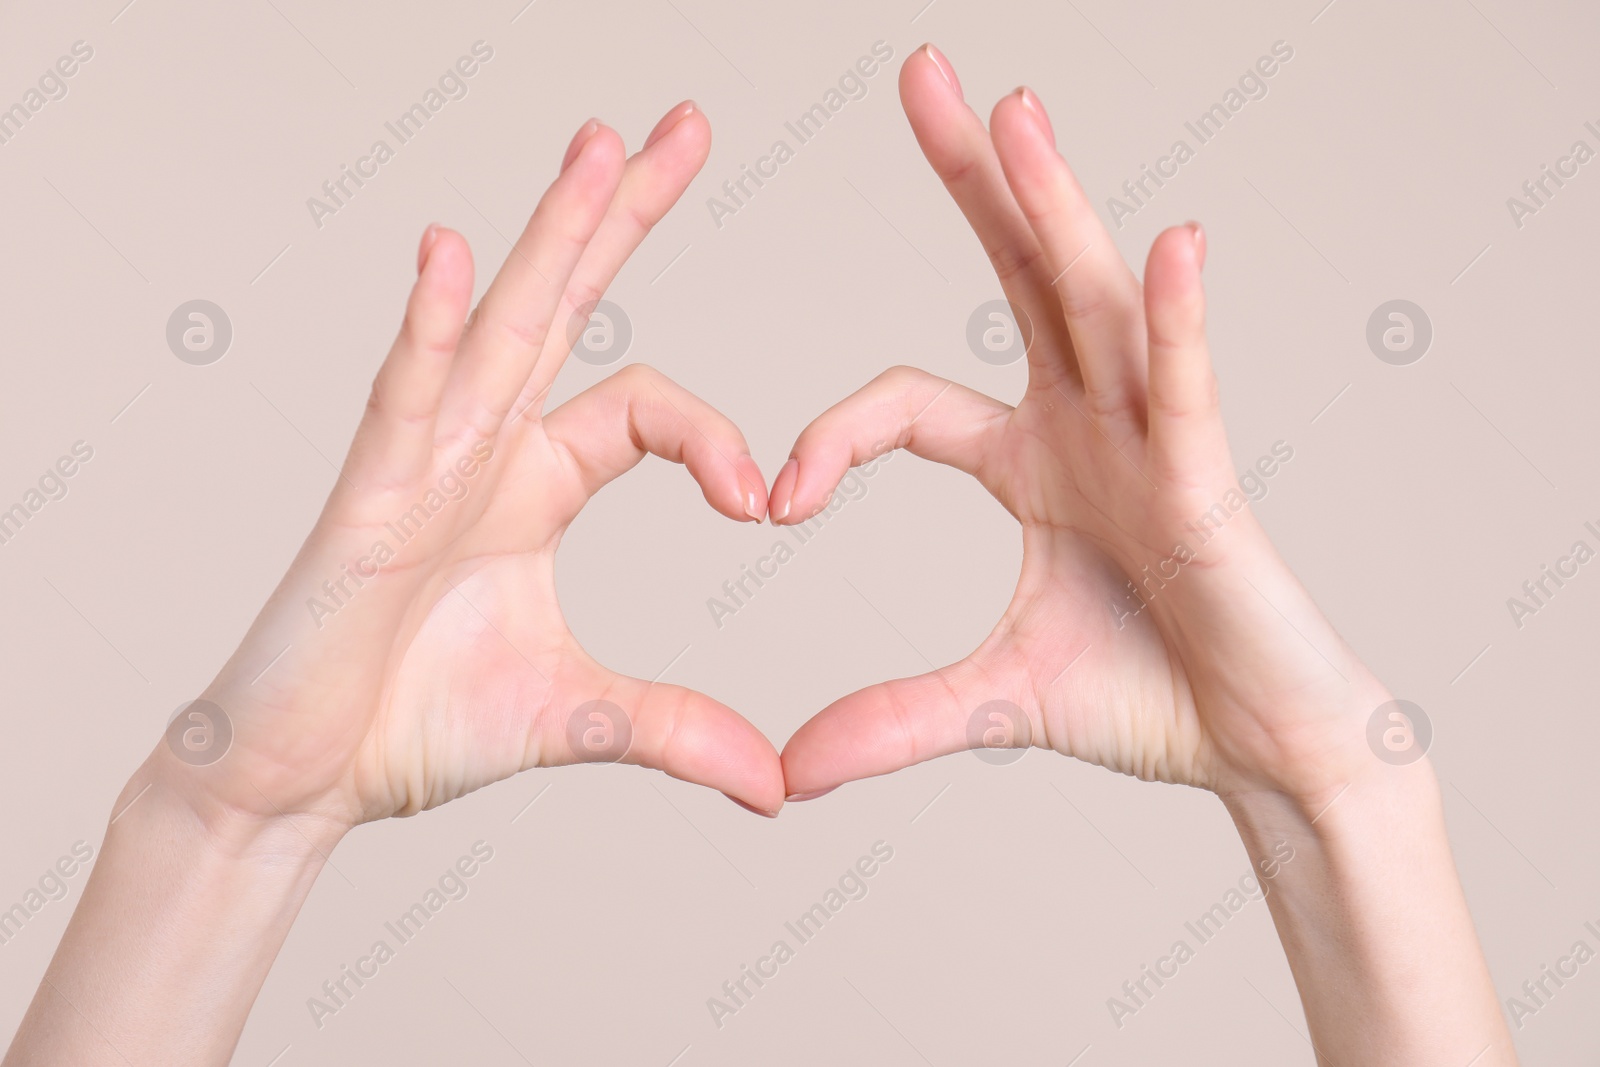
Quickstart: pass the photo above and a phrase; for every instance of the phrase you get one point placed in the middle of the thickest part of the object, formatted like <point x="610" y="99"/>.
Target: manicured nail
<point x="783" y="491"/>
<point x="579" y="139"/>
<point x="1199" y="243"/>
<point x="945" y="68"/>
<point x="753" y="810"/>
<point x="812" y="795"/>
<point x="430" y="237"/>
<point x="1036" y="109"/>
<point x="753" y="486"/>
<point x="670" y="120"/>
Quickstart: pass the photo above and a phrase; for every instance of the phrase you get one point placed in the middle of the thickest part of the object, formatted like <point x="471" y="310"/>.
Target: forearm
<point x="1372" y="916"/>
<point x="177" y="929"/>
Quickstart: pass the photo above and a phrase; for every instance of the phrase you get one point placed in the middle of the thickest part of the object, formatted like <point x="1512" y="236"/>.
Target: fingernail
<point x="783" y="491"/>
<point x="945" y="68"/>
<point x="753" y="810"/>
<point x="754" y="486"/>
<point x="579" y="139"/>
<point x="1199" y="242"/>
<point x="670" y="120"/>
<point x="1036" y="109"/>
<point x="812" y="795"/>
<point x="430" y="237"/>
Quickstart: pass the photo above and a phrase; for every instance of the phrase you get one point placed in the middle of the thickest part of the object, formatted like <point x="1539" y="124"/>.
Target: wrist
<point x="214" y="808"/>
<point x="193" y="901"/>
<point x="1364" y="894"/>
<point x="1357" y="798"/>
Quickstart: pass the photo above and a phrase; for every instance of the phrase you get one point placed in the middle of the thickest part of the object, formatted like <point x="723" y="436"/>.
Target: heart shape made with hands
<point x="458" y="669"/>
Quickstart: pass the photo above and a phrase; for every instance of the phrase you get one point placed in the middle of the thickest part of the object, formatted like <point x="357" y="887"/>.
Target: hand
<point x="1221" y="673"/>
<point x="427" y="655"/>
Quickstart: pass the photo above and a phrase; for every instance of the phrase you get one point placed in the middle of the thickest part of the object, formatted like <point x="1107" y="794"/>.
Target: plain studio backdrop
<point x="176" y="163"/>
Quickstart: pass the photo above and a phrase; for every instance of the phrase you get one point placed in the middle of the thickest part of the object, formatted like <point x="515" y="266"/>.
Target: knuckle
<point x="522" y="335"/>
<point x="1084" y="303"/>
<point x="639" y="376"/>
<point x="1010" y="262"/>
<point x="901" y="377"/>
<point x="957" y="169"/>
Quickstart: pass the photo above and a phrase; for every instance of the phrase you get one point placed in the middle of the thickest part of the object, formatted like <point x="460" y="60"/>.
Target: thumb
<point x="891" y="725"/>
<point x="668" y="728"/>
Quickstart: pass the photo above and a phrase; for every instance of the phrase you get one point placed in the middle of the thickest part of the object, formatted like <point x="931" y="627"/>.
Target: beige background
<point x="1020" y="900"/>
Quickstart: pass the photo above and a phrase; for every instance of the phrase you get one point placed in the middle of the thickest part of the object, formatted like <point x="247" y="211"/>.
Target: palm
<point x="1106" y="683"/>
<point x="482" y="689"/>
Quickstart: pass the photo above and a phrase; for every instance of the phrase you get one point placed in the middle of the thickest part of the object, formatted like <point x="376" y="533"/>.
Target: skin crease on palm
<point x="1230" y="679"/>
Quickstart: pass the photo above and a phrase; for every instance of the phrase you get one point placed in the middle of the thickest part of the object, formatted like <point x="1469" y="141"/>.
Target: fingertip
<point x="815" y="794"/>
<point x="781" y="500"/>
<point x="674" y="119"/>
<point x="678" y="147"/>
<point x="754" y="778"/>
<point x="752" y="489"/>
<point x="429" y="236"/>
<point x="595" y="149"/>
<point x="1019" y="118"/>
<point x="927" y="69"/>
<point x="444" y="267"/>
<point x="579" y="140"/>
<point x="816" y="480"/>
<point x="946" y="70"/>
<point x="809" y="772"/>
<point x="1038" y="120"/>
<point x="1176" y="257"/>
<point x="752" y="809"/>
